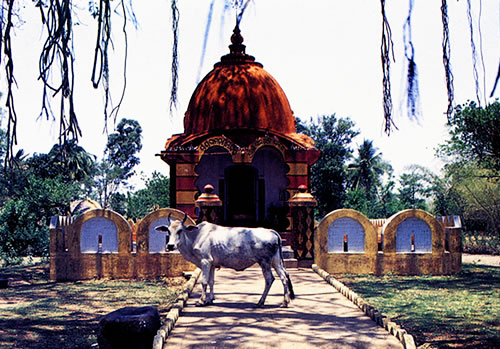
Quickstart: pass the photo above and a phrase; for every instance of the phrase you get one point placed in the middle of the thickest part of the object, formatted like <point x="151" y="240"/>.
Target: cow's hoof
<point x="258" y="305"/>
<point x="284" y="305"/>
<point x="203" y="304"/>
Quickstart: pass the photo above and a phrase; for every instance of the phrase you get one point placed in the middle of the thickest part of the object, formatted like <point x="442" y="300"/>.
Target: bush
<point x="480" y="243"/>
<point x="22" y="232"/>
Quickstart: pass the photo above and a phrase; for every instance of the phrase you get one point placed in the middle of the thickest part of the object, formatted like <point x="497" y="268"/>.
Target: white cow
<point x="211" y="246"/>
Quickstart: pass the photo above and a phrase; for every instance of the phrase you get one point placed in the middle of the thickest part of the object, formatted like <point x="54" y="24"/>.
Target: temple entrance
<point x="241" y="196"/>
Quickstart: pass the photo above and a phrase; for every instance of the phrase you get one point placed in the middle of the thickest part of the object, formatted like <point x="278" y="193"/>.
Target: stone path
<point x="319" y="317"/>
<point x="481" y="259"/>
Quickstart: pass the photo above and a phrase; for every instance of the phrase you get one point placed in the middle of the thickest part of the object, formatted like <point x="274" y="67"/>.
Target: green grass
<point x="38" y="313"/>
<point x="443" y="311"/>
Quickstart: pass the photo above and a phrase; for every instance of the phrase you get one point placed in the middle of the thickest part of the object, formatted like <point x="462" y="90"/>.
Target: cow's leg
<point x="269" y="278"/>
<point x="211" y="281"/>
<point x="205" y="277"/>
<point x="284" y="277"/>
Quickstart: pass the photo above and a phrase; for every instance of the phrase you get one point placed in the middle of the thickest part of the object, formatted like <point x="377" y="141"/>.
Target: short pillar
<point x="210" y="206"/>
<point x="302" y="207"/>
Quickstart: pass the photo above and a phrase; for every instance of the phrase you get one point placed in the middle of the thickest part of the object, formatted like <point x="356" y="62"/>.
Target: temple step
<point x="286" y="238"/>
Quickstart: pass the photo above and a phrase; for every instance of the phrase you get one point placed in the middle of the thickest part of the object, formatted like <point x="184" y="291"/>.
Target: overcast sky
<point x="325" y="54"/>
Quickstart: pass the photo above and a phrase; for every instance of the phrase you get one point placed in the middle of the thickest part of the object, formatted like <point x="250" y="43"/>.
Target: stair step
<point x="287" y="252"/>
<point x="291" y="263"/>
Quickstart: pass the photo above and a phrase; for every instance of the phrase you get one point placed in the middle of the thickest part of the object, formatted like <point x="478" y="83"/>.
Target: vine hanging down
<point x="57" y="54"/>
<point x="100" y="69"/>
<point x="387" y="50"/>
<point x="6" y="27"/>
<point x="474" y="53"/>
<point x="175" y="60"/>
<point x="446" y="58"/>
<point x="412" y="88"/>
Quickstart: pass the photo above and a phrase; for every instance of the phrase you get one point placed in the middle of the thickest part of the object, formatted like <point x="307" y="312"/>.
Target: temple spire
<point x="237" y="46"/>
<point x="237" y="53"/>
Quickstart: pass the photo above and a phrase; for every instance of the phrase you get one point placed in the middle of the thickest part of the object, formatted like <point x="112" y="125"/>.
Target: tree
<point x="474" y="136"/>
<point x="24" y="219"/>
<point x="155" y="195"/>
<point x="119" y="160"/>
<point x="364" y="180"/>
<point x="333" y="137"/>
<point x="388" y="203"/>
<point x="68" y="160"/>
<point x="367" y="168"/>
<point x="473" y="163"/>
<point x="412" y="191"/>
<point x="37" y="188"/>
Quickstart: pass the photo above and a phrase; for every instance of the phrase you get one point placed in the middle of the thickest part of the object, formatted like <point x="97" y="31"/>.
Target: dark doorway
<point x="241" y="196"/>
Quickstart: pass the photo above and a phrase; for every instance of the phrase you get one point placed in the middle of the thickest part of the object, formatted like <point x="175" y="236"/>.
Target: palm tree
<point x="73" y="159"/>
<point x="367" y="168"/>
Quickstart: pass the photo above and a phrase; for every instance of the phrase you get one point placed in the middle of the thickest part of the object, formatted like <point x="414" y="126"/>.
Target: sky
<point x="325" y="54"/>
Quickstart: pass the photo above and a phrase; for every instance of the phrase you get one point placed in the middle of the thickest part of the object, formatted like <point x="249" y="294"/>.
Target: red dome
<point x="238" y="94"/>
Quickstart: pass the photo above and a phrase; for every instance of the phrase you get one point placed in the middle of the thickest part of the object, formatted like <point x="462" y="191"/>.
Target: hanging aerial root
<point x="446" y="58"/>
<point x="57" y="53"/>
<point x="412" y="88"/>
<point x="386" y="49"/>
<point x="11" y="82"/>
<point x="474" y="53"/>
<point x="175" y="61"/>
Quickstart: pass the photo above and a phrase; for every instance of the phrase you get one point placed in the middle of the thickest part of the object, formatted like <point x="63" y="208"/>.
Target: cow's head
<point x="174" y="229"/>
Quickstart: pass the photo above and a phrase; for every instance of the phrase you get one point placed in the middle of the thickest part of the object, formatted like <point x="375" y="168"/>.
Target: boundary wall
<point x="411" y="242"/>
<point x="100" y="244"/>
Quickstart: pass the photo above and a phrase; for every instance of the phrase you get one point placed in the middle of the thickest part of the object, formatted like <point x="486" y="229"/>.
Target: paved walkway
<point x="481" y="259"/>
<point x="319" y="317"/>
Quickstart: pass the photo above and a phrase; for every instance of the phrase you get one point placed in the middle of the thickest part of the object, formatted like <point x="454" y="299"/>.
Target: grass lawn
<point x="459" y="311"/>
<point x="38" y="313"/>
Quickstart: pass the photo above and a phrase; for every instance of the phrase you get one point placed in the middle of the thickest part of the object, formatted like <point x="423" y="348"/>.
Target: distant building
<point x="240" y="136"/>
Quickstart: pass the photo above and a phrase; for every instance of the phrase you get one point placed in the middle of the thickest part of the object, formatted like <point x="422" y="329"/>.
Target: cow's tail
<point x="289" y="281"/>
<point x="290" y="286"/>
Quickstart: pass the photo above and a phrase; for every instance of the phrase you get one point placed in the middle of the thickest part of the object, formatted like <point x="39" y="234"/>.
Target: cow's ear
<point x="191" y="227"/>
<point x="162" y="228"/>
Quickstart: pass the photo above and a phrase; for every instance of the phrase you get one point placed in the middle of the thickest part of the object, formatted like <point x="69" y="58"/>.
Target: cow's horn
<point x="185" y="218"/>
<point x="168" y="218"/>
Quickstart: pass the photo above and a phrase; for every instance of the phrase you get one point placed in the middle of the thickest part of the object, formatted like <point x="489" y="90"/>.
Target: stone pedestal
<point x="210" y="206"/>
<point x="129" y="327"/>
<point x="302" y="207"/>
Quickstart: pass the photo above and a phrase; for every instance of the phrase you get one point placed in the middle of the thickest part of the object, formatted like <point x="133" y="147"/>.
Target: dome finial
<point x="237" y="46"/>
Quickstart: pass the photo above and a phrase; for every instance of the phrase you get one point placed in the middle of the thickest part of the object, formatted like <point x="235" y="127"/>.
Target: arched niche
<point x="101" y="231"/>
<point x="338" y="224"/>
<point x="148" y="239"/>
<point x="99" y="235"/>
<point x="399" y="229"/>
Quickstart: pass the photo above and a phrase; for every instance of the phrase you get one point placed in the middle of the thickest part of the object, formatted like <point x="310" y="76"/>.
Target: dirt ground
<point x="481" y="259"/>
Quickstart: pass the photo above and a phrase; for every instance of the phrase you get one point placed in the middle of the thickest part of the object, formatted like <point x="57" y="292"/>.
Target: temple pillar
<point x="302" y="207"/>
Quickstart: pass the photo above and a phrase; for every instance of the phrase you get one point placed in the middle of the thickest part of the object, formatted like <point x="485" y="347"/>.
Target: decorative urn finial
<point x="237" y="46"/>
<point x="237" y="53"/>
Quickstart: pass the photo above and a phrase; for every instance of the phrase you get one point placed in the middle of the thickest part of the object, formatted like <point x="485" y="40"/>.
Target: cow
<point x="211" y="246"/>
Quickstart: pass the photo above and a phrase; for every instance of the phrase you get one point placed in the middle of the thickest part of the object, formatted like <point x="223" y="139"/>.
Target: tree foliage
<point x="474" y="136"/>
<point x="156" y="195"/>
<point x="333" y="137"/>
<point x="472" y="156"/>
<point x="120" y="158"/>
<point x="44" y="185"/>
<point x="366" y="170"/>
<point x="413" y="190"/>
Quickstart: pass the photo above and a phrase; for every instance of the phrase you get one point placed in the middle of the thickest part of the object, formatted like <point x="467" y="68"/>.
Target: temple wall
<point x="99" y="244"/>
<point x="413" y="243"/>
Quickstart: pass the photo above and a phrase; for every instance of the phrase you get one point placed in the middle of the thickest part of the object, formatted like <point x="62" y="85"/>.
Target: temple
<point x="240" y="137"/>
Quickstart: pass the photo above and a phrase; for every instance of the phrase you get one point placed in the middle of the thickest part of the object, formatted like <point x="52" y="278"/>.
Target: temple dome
<point x="238" y="94"/>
